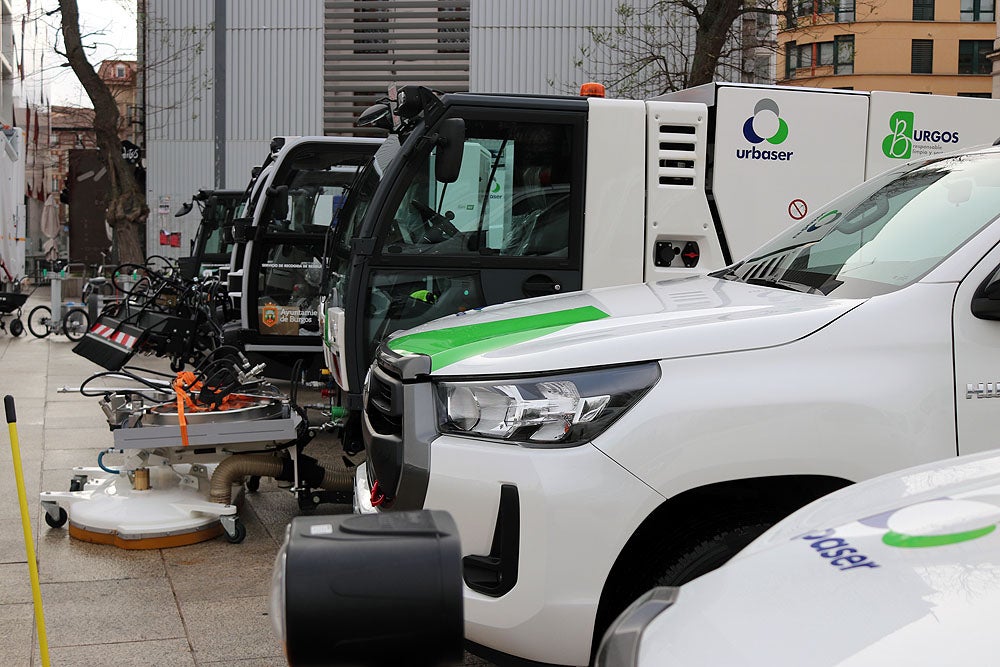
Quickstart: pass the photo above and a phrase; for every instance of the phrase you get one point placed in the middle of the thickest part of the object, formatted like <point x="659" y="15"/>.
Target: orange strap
<point x="185" y="384"/>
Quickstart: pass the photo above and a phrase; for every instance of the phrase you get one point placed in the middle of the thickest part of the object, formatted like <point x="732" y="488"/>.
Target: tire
<point x="675" y="559"/>
<point x="16" y="327"/>
<point x="38" y="321"/>
<point x="57" y="523"/>
<point x="76" y="324"/>
<point x="709" y="553"/>
<point x="241" y="533"/>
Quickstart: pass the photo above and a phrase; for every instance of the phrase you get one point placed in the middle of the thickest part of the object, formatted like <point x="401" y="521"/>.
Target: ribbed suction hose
<point x="233" y="469"/>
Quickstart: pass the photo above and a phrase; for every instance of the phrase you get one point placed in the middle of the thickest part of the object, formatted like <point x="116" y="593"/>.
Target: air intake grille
<point x="676" y="155"/>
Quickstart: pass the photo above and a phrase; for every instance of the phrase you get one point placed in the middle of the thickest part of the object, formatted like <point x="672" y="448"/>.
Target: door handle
<point x="540" y="285"/>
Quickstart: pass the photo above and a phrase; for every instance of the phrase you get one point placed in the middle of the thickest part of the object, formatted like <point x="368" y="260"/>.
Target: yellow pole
<point x="29" y="544"/>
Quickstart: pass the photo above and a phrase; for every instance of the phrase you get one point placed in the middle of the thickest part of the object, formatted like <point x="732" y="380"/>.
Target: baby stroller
<point x="10" y="304"/>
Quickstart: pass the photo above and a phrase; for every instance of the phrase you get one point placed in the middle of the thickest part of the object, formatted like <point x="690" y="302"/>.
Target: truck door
<point x="510" y="226"/>
<point x="977" y="349"/>
<point x="282" y="289"/>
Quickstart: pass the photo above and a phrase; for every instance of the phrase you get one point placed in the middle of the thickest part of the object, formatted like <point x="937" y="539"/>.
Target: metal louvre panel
<point x="678" y="151"/>
<point x="371" y="44"/>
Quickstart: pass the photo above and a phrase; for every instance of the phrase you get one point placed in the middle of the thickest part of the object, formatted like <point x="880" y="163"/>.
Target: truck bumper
<point x="577" y="509"/>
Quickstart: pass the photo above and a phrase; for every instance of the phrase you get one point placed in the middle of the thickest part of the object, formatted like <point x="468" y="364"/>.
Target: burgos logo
<point x="898" y="144"/>
<point x="765" y="124"/>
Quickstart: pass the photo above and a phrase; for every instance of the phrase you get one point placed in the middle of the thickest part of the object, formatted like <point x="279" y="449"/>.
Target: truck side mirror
<point x="184" y="209"/>
<point x="986" y="300"/>
<point x="450" y="149"/>
<point x="241" y="229"/>
<point x="377" y="115"/>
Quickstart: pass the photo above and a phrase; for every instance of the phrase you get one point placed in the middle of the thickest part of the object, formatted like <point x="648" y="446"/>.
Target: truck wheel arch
<point x="683" y="520"/>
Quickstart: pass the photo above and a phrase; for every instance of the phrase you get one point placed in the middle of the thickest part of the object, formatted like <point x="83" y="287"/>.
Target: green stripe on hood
<point x="453" y="344"/>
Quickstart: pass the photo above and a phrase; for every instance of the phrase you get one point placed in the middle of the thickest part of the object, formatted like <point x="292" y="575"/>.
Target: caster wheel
<point x="39" y="320"/>
<point x="253" y="483"/>
<point x="16" y="327"/>
<point x="75" y="324"/>
<point x="57" y="523"/>
<point x="240" y="534"/>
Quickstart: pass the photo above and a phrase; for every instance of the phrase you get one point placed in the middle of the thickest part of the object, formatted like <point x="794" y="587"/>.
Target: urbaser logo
<point x="766" y="124"/>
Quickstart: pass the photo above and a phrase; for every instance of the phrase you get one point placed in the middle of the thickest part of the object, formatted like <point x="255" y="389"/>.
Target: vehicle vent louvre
<point x="676" y="155"/>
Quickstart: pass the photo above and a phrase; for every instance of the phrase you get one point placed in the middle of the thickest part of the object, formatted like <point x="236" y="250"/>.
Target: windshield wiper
<point x="783" y="284"/>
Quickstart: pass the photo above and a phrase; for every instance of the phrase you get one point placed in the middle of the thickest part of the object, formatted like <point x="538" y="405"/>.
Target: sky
<point x="113" y="35"/>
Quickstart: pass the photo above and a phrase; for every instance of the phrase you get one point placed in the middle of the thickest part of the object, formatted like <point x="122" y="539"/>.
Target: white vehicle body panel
<point x="938" y="124"/>
<point x="782" y="601"/>
<point x="616" y="160"/>
<point x="669" y="319"/>
<point x="755" y="195"/>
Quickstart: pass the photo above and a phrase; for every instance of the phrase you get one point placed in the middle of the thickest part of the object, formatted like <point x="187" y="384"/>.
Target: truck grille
<point x="384" y="404"/>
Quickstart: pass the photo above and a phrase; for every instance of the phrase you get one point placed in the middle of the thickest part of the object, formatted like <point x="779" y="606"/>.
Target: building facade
<point x="919" y="46"/>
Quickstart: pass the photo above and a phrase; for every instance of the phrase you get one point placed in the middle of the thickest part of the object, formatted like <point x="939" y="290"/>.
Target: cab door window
<point x="512" y="197"/>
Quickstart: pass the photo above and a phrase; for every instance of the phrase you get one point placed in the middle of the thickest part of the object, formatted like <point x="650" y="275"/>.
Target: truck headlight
<point x="553" y="411"/>
<point x="620" y="646"/>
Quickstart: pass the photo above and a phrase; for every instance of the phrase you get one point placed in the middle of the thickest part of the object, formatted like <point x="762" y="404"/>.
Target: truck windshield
<point x="312" y="195"/>
<point x="884" y="235"/>
<point x="360" y="195"/>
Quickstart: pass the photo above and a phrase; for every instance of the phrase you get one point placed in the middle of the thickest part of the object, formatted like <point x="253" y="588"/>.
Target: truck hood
<point x="900" y="569"/>
<point x="668" y="319"/>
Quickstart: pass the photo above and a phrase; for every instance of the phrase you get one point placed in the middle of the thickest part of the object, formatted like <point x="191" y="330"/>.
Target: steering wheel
<point x="437" y="227"/>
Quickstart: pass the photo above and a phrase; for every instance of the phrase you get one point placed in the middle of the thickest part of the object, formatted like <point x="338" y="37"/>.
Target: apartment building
<point x="920" y="46"/>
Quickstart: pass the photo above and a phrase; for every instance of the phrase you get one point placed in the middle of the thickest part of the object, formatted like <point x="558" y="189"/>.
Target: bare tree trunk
<point x="127" y="208"/>
<point x="715" y="21"/>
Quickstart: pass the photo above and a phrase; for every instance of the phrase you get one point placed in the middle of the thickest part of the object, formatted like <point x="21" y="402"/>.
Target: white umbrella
<point x="50" y="227"/>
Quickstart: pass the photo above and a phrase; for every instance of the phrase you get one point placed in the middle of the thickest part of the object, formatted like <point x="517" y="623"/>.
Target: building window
<point x="790" y="51"/>
<point x="843" y="11"/>
<point x="982" y="95"/>
<point x="762" y="69"/>
<point x="979" y="10"/>
<point x="824" y="53"/>
<point x="120" y="71"/>
<point x="922" y="56"/>
<point x="843" y="54"/>
<point x="804" y="57"/>
<point x="972" y="56"/>
<point x="923" y="10"/>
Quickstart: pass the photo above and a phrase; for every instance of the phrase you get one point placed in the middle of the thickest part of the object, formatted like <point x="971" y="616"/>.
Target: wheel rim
<point x="38" y="321"/>
<point x="76" y="323"/>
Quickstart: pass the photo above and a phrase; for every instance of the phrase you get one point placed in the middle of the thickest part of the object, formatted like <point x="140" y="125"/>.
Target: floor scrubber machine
<point x="189" y="443"/>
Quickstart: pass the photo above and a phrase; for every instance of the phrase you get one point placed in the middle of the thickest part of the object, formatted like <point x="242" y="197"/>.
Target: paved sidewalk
<point x="205" y="604"/>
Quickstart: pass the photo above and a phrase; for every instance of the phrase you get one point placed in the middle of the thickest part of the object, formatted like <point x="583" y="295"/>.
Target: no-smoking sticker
<point x="797" y="209"/>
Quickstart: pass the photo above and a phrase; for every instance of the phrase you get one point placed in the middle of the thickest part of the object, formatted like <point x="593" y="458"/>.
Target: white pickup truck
<point x="593" y="445"/>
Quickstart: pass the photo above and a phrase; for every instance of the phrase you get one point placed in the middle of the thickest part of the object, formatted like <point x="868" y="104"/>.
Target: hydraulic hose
<point x="100" y="464"/>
